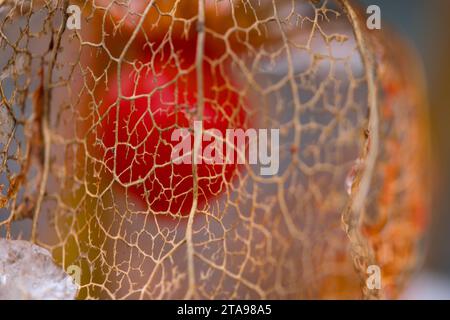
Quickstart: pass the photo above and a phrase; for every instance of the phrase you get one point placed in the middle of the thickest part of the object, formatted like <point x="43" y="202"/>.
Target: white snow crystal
<point x="27" y="271"/>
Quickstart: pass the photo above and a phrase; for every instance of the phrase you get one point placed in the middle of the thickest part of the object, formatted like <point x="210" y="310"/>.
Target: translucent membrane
<point x="350" y="191"/>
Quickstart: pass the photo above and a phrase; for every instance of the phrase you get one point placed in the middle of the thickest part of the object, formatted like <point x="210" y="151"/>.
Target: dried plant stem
<point x="197" y="143"/>
<point x="353" y="216"/>
<point x="45" y="123"/>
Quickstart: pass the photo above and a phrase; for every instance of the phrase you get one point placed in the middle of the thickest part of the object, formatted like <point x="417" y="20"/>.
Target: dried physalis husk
<point x="350" y="194"/>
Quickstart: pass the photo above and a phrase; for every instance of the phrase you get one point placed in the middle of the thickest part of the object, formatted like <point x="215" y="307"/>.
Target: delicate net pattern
<point x="349" y="192"/>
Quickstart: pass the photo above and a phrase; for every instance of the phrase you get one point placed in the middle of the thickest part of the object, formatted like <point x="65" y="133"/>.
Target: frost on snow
<point x="27" y="271"/>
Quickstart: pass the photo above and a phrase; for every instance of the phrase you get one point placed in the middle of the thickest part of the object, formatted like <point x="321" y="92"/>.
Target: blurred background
<point x="426" y="24"/>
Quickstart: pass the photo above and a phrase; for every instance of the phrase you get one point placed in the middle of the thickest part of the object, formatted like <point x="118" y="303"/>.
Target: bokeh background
<point x="426" y="25"/>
